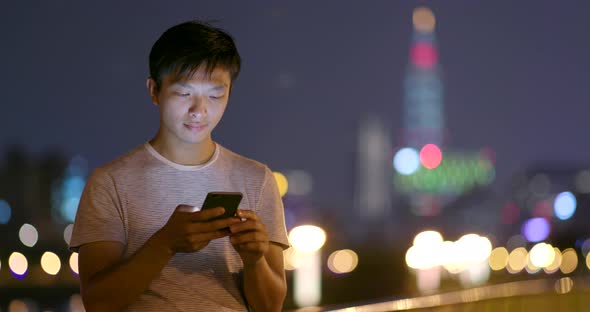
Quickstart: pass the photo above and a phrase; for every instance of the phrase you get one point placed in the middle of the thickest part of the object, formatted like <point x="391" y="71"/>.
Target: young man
<point x="139" y="248"/>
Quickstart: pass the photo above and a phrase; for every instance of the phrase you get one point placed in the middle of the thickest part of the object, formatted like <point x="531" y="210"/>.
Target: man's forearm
<point x="265" y="289"/>
<point x="118" y="286"/>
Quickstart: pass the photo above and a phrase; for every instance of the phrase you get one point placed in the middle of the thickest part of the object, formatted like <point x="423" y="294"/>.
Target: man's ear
<point x="152" y="90"/>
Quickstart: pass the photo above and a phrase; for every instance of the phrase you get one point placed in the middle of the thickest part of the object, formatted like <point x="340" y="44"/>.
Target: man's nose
<point x="198" y="107"/>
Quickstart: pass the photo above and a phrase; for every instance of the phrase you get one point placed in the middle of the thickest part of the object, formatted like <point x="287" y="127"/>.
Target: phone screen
<point x="228" y="200"/>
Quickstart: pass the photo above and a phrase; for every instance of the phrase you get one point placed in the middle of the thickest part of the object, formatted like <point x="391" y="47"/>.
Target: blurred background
<point x="422" y="147"/>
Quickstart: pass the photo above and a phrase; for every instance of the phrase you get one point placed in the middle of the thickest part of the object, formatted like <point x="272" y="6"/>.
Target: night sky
<point x="516" y="77"/>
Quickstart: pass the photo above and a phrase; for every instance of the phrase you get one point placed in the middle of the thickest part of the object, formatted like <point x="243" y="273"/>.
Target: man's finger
<point x="186" y="208"/>
<point x="206" y="214"/>
<point x="247" y="214"/>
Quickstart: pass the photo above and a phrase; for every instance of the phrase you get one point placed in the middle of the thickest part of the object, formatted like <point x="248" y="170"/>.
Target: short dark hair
<point x="183" y="48"/>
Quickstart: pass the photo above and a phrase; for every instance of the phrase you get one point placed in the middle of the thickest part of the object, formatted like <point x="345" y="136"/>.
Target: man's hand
<point x="249" y="237"/>
<point x="188" y="231"/>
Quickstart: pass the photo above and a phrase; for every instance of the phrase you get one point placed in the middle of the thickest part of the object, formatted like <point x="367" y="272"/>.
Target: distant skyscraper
<point x="428" y="172"/>
<point x="373" y="183"/>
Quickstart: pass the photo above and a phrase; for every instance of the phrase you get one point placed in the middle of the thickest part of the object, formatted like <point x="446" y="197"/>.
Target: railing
<point x="565" y="294"/>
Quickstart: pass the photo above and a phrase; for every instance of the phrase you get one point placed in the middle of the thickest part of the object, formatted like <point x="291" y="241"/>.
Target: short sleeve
<point x="271" y="211"/>
<point x="100" y="216"/>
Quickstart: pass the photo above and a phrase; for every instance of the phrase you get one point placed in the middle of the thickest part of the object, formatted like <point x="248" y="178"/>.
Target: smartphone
<point x="228" y="200"/>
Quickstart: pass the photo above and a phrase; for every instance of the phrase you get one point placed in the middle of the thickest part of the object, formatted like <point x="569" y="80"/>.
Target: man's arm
<point x="264" y="276"/>
<point x="264" y="281"/>
<point x="111" y="283"/>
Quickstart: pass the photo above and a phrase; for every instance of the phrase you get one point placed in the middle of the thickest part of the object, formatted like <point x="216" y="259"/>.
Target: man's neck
<point x="184" y="154"/>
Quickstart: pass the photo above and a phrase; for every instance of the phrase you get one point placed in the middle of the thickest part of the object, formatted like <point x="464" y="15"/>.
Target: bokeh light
<point x="564" y="285"/>
<point x="5" y="212"/>
<point x="282" y="183"/>
<point x="565" y="205"/>
<point x="430" y="156"/>
<point x="423" y="19"/>
<point x="18" y="264"/>
<point x="536" y="229"/>
<point x="307" y="238"/>
<point x="554" y="266"/>
<point x="343" y="261"/>
<point x="68" y="233"/>
<point x="428" y="239"/>
<point x="569" y="261"/>
<point x="517" y="260"/>
<point x="530" y="267"/>
<point x="542" y="255"/>
<point x="498" y="259"/>
<point x="17" y="305"/>
<point x="74" y="263"/>
<point x="50" y="263"/>
<point x="28" y="235"/>
<point x="406" y="161"/>
<point x="588" y="261"/>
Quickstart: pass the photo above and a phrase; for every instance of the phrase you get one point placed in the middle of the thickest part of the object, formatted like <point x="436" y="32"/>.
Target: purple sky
<point x="516" y="76"/>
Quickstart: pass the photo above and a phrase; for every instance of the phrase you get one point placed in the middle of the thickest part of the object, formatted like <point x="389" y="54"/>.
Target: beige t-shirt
<point x="132" y="197"/>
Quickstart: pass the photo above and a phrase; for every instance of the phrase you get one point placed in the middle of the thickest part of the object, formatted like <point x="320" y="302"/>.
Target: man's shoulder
<point x="123" y="164"/>
<point x="242" y="163"/>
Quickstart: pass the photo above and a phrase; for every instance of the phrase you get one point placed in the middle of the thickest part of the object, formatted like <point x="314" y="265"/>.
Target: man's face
<point x="191" y="108"/>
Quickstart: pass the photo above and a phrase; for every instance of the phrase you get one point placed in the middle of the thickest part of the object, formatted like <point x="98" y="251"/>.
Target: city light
<point x="74" y="263"/>
<point x="542" y="255"/>
<point x="28" y="235"/>
<point x="565" y="205"/>
<point x="430" y="156"/>
<point x="423" y="20"/>
<point x="498" y="258"/>
<point x="343" y="261"/>
<point x="307" y="238"/>
<point x="282" y="183"/>
<point x="406" y="161"/>
<point x="18" y="264"/>
<point x="50" y="263"/>
<point x="564" y="285"/>
<point x="536" y="229"/>
<point x="5" y="212"/>
<point x="517" y="260"/>
<point x="424" y="55"/>
<point x="554" y="266"/>
<point x="569" y="261"/>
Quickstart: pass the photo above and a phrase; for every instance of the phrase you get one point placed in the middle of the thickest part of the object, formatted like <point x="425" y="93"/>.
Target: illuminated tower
<point x="427" y="171"/>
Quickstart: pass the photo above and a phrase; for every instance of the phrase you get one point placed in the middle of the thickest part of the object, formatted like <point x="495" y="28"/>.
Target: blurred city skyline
<point x="514" y="76"/>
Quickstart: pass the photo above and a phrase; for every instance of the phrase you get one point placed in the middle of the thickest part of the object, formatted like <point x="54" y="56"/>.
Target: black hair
<point x="183" y="49"/>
